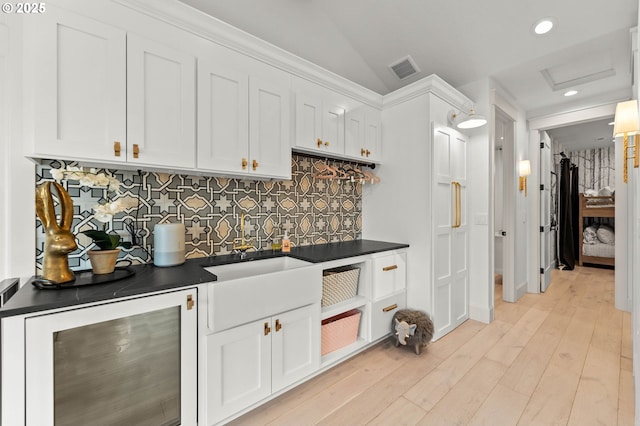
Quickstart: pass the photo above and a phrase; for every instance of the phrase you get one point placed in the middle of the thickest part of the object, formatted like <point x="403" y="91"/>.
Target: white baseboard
<point x="521" y="289"/>
<point x="481" y="313"/>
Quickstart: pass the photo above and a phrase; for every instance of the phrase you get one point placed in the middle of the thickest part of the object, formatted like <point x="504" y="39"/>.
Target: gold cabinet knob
<point x="254" y="164"/>
<point x="244" y="163"/>
<point x="116" y="149"/>
<point x="136" y="150"/>
<point x="326" y="143"/>
<point x="363" y="152"/>
<point x="278" y="325"/>
<point x="368" y="152"/>
<point x="267" y="329"/>
<point x="319" y="142"/>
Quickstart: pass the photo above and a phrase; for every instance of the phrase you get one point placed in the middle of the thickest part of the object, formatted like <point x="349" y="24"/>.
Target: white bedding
<point x="599" y="250"/>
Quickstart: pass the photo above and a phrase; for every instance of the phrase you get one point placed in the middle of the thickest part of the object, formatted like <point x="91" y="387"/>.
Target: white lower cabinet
<point x="248" y="363"/>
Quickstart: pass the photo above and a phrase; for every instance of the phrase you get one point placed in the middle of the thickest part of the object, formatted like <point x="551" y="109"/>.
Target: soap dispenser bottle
<point x="286" y="243"/>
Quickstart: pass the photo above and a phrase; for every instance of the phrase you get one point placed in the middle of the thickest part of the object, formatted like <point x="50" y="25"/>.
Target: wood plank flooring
<point x="559" y="358"/>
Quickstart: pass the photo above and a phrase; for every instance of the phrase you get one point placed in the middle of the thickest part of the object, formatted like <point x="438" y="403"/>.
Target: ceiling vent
<point x="404" y="68"/>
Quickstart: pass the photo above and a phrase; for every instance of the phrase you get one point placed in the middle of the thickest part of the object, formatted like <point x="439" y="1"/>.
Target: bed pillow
<point x="607" y="191"/>
<point x="606" y="235"/>
<point x="590" y="193"/>
<point x="590" y="235"/>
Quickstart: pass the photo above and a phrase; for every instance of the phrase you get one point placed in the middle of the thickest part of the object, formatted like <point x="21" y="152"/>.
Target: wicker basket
<point x="340" y="330"/>
<point x="339" y="284"/>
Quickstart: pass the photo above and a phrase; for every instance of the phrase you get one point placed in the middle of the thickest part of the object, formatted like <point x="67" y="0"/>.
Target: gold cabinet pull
<point x="390" y="308"/>
<point x="368" y="153"/>
<point x="326" y="143"/>
<point x="136" y="150"/>
<point x="363" y="152"/>
<point x="319" y="142"/>
<point x="456" y="204"/>
<point x="190" y="302"/>
<point x="459" y="204"/>
<point x="390" y="268"/>
<point x="245" y="163"/>
<point x="278" y="325"/>
<point x="267" y="329"/>
<point x="116" y="149"/>
<point x="254" y="164"/>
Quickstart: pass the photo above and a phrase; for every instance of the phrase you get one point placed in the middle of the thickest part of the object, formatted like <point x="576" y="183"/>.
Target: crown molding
<point x="430" y="84"/>
<point x="182" y="16"/>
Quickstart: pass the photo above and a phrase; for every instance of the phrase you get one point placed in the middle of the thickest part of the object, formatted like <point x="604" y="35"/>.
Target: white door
<point x="269" y="122"/>
<point x="546" y="261"/>
<point x="118" y="362"/>
<point x="295" y="346"/>
<point x="161" y="104"/>
<point x="238" y="371"/>
<point x="450" y="230"/>
<point x="223" y="118"/>
<point x="80" y="89"/>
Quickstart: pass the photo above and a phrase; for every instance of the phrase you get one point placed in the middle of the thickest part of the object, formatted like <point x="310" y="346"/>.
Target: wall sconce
<point x="466" y="120"/>
<point x="625" y="124"/>
<point x="525" y="170"/>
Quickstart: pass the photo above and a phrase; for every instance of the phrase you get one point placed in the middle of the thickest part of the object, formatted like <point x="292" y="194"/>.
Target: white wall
<point x="17" y="197"/>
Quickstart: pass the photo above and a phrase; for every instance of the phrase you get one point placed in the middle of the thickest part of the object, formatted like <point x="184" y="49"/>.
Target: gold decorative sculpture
<point x="59" y="241"/>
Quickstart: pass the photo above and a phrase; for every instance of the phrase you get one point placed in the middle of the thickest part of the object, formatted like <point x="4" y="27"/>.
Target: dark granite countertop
<point x="149" y="278"/>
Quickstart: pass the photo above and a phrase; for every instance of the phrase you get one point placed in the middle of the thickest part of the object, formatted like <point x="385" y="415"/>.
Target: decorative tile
<point x="312" y="211"/>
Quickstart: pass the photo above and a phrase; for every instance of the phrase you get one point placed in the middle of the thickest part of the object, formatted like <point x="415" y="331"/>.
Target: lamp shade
<point x="472" y="121"/>
<point x="626" y="120"/>
<point x="525" y="167"/>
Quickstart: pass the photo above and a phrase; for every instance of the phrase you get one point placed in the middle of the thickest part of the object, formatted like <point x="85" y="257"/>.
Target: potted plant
<point x="103" y="259"/>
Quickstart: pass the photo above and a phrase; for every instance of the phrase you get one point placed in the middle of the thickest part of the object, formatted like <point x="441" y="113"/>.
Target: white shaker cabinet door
<point x="238" y="369"/>
<point x="269" y="127"/>
<point x="295" y="346"/>
<point x="223" y="118"/>
<point x="161" y="104"/>
<point x="79" y="102"/>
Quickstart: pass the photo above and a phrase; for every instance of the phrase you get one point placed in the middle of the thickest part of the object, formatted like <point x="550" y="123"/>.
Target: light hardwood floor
<point x="560" y="358"/>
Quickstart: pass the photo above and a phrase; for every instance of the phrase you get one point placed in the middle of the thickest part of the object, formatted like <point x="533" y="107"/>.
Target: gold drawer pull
<point x="267" y="329"/>
<point x="278" y="325"/>
<point x="245" y="163"/>
<point x="116" y="149"/>
<point x="390" y="268"/>
<point x="136" y="150"/>
<point x="190" y="302"/>
<point x="390" y="308"/>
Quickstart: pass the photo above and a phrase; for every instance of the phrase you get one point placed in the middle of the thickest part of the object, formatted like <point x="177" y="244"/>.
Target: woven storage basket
<point x="340" y="330"/>
<point x="339" y="284"/>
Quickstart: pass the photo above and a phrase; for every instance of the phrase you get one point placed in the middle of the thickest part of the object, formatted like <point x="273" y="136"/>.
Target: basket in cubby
<point x="340" y="330"/>
<point x="339" y="284"/>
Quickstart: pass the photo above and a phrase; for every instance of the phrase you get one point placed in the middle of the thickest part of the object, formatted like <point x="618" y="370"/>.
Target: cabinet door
<point x="389" y="274"/>
<point x="296" y="346"/>
<point x="373" y="135"/>
<point x="238" y="371"/>
<point x="333" y="128"/>
<point x="269" y="127"/>
<point x="451" y="289"/>
<point x="161" y="104"/>
<point x="308" y="121"/>
<point x="80" y="89"/>
<point x="129" y="362"/>
<point x="223" y="118"/>
<point x="354" y="142"/>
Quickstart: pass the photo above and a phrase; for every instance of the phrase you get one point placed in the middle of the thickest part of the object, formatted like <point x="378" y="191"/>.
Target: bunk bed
<point x="596" y="241"/>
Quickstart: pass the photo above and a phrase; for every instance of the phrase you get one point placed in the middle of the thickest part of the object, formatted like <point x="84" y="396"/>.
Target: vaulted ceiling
<point x="460" y="40"/>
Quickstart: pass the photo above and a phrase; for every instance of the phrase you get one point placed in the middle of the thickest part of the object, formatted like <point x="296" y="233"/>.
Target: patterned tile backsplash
<point x="313" y="211"/>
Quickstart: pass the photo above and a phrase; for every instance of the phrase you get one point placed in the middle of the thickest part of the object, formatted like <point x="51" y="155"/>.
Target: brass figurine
<point x="59" y="241"/>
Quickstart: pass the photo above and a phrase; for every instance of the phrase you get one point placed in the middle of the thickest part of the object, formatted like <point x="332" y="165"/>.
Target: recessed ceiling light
<point x="543" y="26"/>
<point x="570" y="92"/>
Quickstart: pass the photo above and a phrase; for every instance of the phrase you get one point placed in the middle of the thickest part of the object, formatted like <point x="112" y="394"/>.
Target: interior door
<point x="450" y="230"/>
<point x="546" y="261"/>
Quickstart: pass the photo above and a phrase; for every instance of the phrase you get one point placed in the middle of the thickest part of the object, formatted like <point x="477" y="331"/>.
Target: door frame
<point x="536" y="125"/>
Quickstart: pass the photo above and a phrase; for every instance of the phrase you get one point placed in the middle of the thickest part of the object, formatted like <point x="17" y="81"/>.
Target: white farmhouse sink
<point x="257" y="289"/>
<point x="234" y="271"/>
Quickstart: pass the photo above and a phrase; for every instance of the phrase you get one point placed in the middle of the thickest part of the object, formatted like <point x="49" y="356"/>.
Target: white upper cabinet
<point x="104" y="95"/>
<point x="161" y="104"/>
<point x="80" y="89"/>
<point x="363" y="135"/>
<point x="319" y="119"/>
<point x="244" y="117"/>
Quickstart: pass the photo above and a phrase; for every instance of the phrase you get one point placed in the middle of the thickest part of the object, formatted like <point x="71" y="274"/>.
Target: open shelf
<point x="338" y="355"/>
<point x="347" y="305"/>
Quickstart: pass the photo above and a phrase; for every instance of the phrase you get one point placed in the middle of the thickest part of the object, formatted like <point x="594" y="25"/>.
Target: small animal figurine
<point x="413" y="328"/>
<point x="59" y="241"/>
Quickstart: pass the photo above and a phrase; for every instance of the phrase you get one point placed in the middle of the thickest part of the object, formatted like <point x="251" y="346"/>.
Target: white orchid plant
<point x="102" y="212"/>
